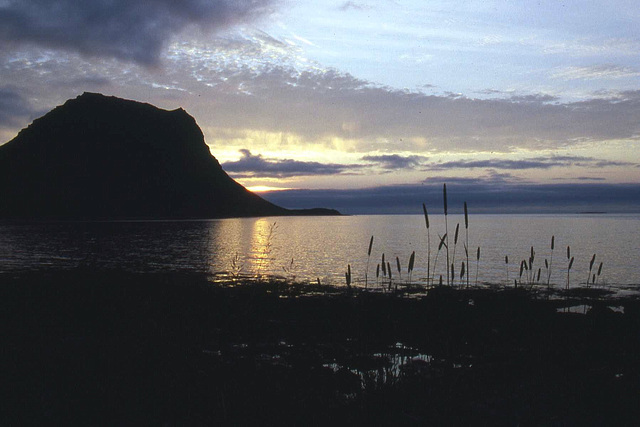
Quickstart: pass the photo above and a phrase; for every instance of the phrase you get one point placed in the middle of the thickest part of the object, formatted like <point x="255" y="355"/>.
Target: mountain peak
<point x="100" y="156"/>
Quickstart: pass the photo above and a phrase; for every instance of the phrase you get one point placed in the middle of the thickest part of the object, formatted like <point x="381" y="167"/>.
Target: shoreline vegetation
<point x="107" y="348"/>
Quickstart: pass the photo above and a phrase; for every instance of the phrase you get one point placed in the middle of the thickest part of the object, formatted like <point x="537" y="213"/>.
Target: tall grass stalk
<point x="477" y="264"/>
<point x="506" y="262"/>
<point x="446" y="228"/>
<point x="593" y="259"/>
<point x="599" y="272"/>
<point x="455" y="245"/>
<point x="462" y="271"/>
<point x="366" y="272"/>
<point x="466" y="228"/>
<point x="553" y="241"/>
<point x="570" y="259"/>
<point x="435" y="262"/>
<point x="412" y="260"/>
<point x="426" y="220"/>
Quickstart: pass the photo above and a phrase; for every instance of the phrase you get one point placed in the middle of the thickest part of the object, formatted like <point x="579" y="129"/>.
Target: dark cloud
<point x="256" y="166"/>
<point x="130" y="30"/>
<point x="481" y="196"/>
<point x="534" y="163"/>
<point x="13" y="106"/>
<point x="396" y="161"/>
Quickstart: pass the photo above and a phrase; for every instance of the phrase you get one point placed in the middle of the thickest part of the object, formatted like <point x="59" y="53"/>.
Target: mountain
<point x="101" y="157"/>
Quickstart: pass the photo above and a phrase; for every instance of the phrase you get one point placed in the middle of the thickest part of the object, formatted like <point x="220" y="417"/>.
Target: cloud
<point x="535" y="98"/>
<point x="13" y="106"/>
<point x="396" y="161"/>
<point x="249" y="83"/>
<point x="607" y="71"/>
<point x="482" y="197"/>
<point x="129" y="30"/>
<point x="256" y="166"/>
<point x="316" y="105"/>
<point x="533" y="163"/>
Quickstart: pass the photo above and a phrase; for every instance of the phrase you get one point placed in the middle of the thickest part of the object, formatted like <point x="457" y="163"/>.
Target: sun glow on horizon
<point x="265" y="189"/>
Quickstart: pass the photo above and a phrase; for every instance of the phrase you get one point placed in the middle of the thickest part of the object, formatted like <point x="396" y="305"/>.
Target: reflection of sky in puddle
<point x="584" y="309"/>
<point x="389" y="366"/>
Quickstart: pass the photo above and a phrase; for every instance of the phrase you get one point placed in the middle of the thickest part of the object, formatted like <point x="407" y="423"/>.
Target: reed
<point x="593" y="259"/>
<point x="570" y="259"/>
<point x="390" y="274"/>
<point x="466" y="246"/>
<point x="399" y="269"/>
<point x="455" y="245"/>
<point x="412" y="260"/>
<point x="553" y="240"/>
<point x="477" y="264"/>
<point x="531" y="272"/>
<point x="366" y="272"/>
<point x="426" y="220"/>
<point x="347" y="276"/>
<point x="462" y="272"/>
<point x="506" y="262"/>
<point x="446" y="228"/>
<point x="384" y="266"/>
<point x="435" y="262"/>
<point x="598" y="276"/>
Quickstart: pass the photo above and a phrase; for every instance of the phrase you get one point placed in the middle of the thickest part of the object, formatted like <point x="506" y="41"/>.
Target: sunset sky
<point x="336" y="99"/>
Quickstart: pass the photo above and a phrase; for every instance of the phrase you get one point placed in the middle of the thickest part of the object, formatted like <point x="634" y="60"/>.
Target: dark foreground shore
<point x="123" y="349"/>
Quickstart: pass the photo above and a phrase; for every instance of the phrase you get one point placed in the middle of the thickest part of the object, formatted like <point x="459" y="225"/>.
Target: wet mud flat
<point x="111" y="348"/>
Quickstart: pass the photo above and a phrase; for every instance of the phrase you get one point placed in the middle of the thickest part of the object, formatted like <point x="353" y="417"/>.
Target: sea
<point x="312" y="249"/>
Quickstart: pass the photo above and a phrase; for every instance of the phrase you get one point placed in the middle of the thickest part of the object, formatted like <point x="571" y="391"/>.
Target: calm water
<point x="321" y="247"/>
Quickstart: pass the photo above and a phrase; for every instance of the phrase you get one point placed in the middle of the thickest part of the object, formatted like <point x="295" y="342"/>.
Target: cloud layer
<point x="130" y="30"/>
<point x="482" y="196"/>
<point x="256" y="166"/>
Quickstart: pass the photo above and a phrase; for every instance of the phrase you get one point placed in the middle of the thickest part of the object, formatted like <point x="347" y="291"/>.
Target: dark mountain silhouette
<point x="99" y="157"/>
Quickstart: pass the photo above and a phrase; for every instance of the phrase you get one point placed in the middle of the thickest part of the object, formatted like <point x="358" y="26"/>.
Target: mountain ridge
<point x="103" y="157"/>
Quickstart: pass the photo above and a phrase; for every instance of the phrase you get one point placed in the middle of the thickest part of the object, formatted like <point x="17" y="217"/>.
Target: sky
<point x="344" y="104"/>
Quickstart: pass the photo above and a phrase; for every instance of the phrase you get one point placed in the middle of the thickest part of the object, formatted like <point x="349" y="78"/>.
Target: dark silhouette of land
<point x="99" y="157"/>
<point x="108" y="348"/>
